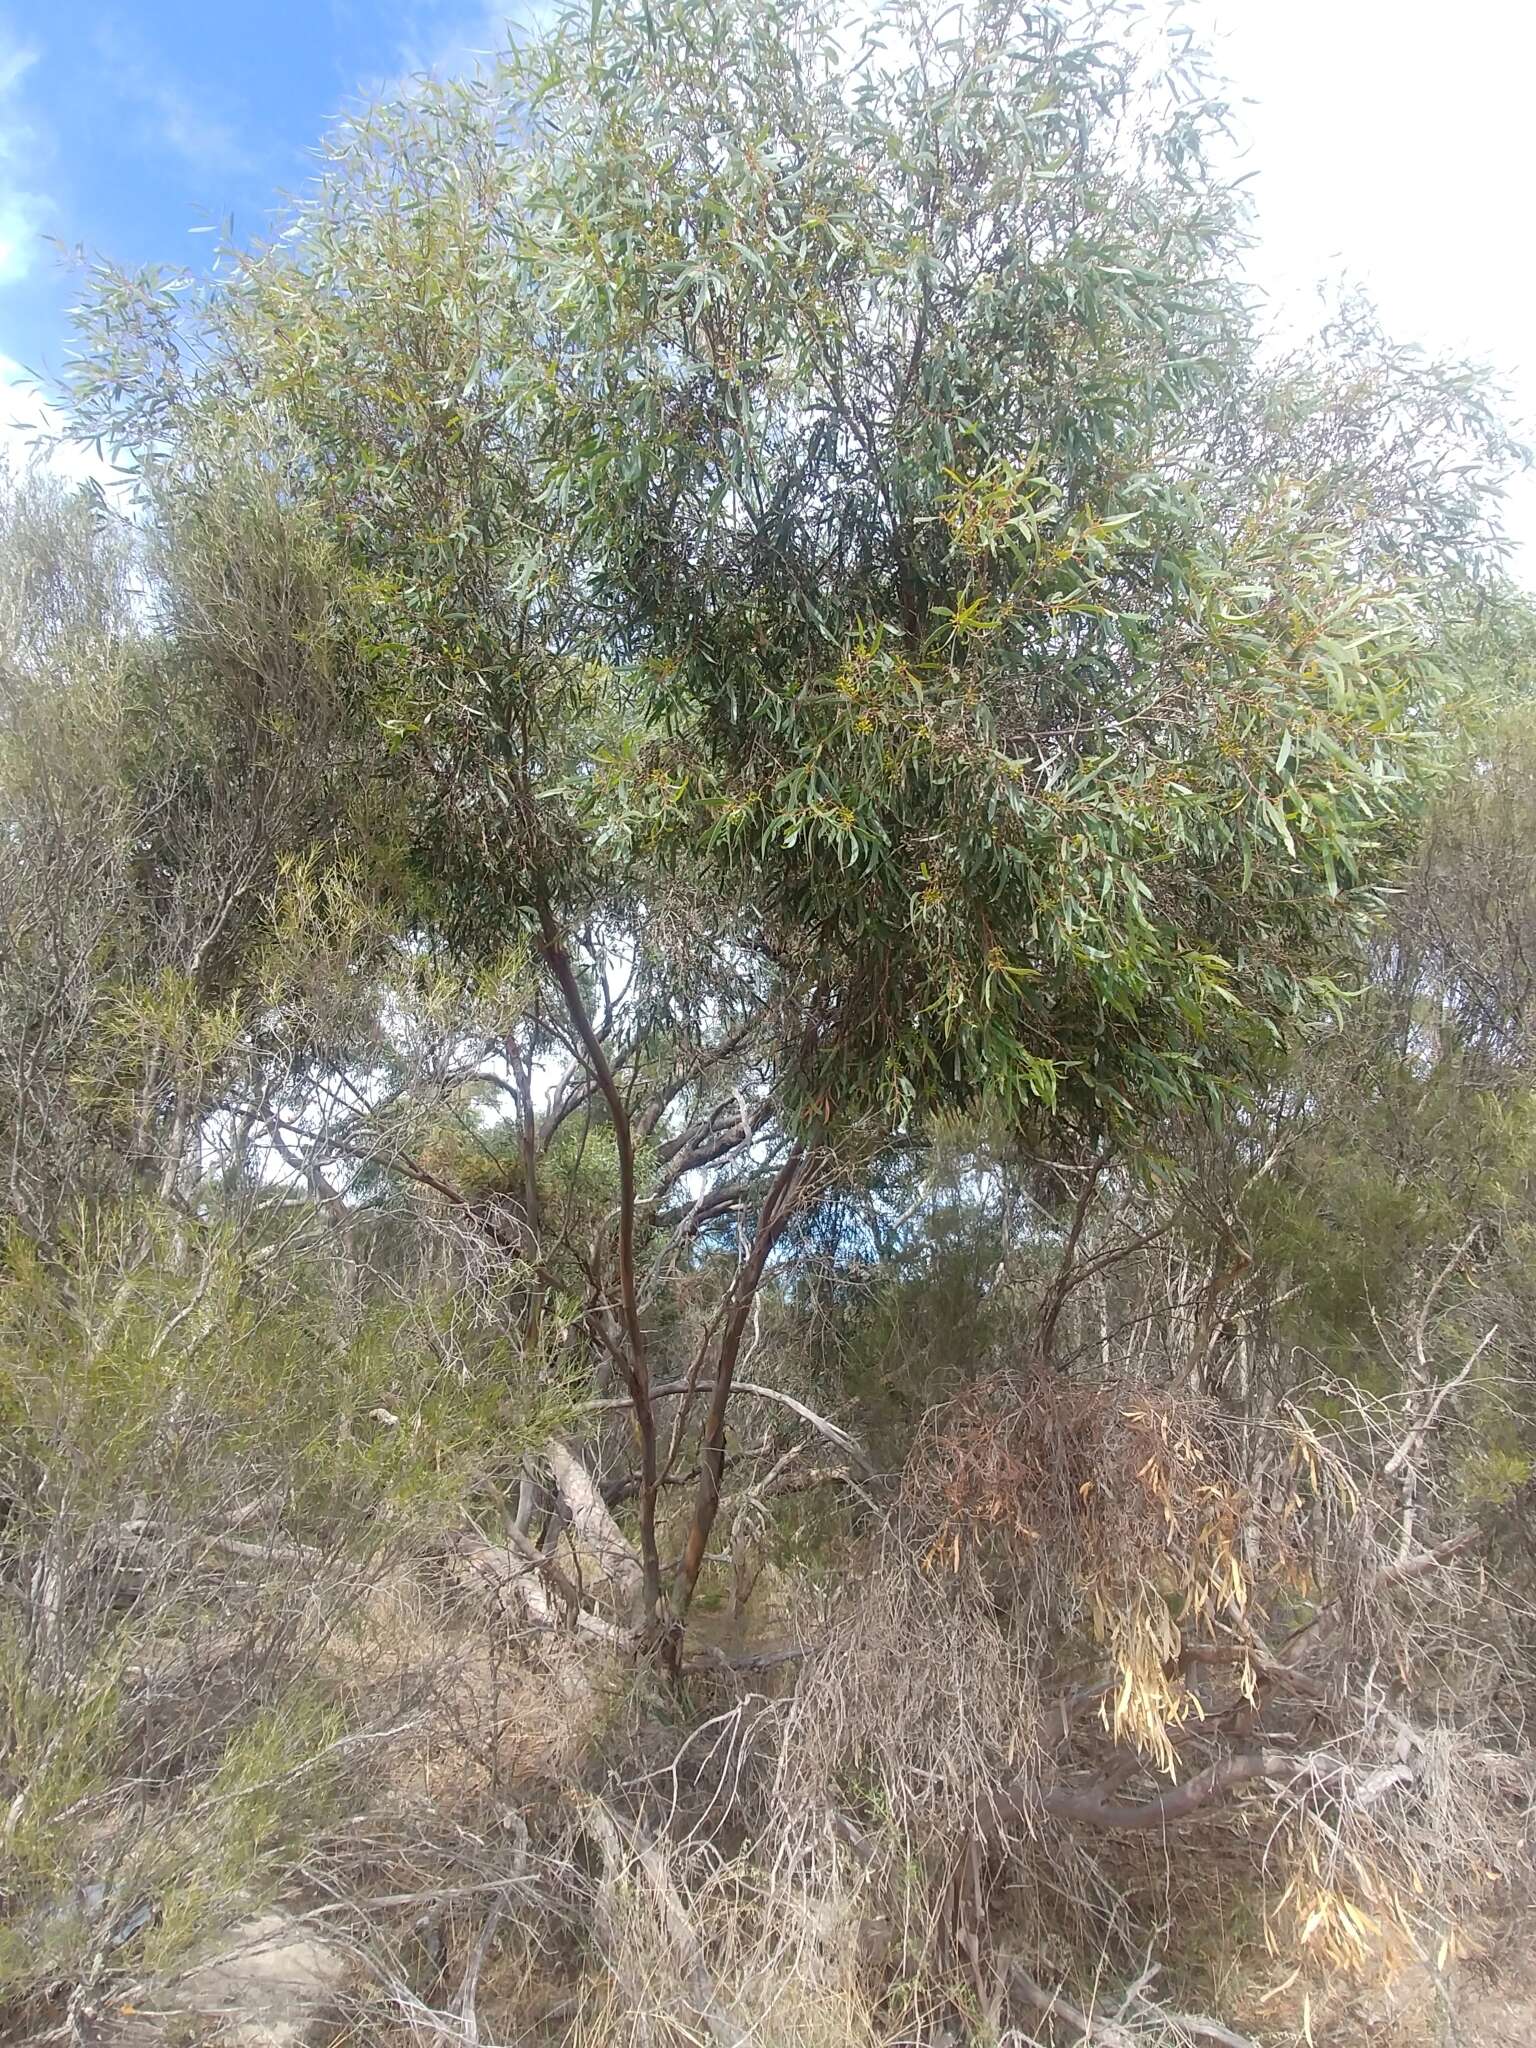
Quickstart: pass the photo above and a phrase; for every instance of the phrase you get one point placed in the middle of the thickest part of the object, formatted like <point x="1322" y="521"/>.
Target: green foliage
<point x="147" y="1375"/>
<point x="1392" y="1167"/>
<point x="212" y="1446"/>
<point x="75" y="1865"/>
<point x="848" y="486"/>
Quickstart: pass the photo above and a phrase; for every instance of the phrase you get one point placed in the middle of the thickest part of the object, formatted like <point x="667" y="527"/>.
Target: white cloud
<point x="448" y="42"/>
<point x="452" y="39"/>
<point x="199" y="138"/>
<point x="21" y="209"/>
<point x="171" y="117"/>
<point x="1390" y="144"/>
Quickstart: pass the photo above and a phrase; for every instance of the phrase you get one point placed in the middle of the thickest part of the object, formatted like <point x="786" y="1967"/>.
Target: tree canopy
<point x="822" y="474"/>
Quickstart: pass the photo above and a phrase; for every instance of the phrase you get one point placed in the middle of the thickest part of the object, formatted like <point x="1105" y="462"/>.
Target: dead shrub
<point x="1128" y="1515"/>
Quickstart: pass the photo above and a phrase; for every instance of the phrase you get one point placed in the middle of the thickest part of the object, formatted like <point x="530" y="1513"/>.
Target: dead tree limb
<point x="671" y="1389"/>
<point x="617" y="1843"/>
<point x="1055" y="2005"/>
<point x="594" y="1525"/>
<point x="1088" y="1808"/>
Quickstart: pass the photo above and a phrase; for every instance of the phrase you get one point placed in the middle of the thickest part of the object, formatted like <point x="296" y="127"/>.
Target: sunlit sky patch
<point x="1387" y="141"/>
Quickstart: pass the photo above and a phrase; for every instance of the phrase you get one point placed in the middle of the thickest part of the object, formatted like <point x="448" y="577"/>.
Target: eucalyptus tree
<point x="827" y="590"/>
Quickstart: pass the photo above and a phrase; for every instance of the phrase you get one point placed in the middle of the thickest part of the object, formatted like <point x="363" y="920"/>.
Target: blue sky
<point x="1388" y="138"/>
<point x="128" y="127"/>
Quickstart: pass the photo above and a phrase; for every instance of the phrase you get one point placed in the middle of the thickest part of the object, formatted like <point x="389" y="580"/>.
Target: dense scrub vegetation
<point x="766" y="1037"/>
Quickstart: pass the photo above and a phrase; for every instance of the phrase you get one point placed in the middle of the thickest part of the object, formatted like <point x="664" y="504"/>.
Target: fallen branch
<point x="162" y="1539"/>
<point x="1199" y="2028"/>
<point x="777" y="1484"/>
<point x="1055" y="2005"/>
<point x="521" y="1563"/>
<point x="1424" y="1561"/>
<point x="1190" y="2026"/>
<point x="595" y="1527"/>
<point x="616" y="1841"/>
<point x="1180" y="1802"/>
<point x="759" y="1660"/>
<point x="1090" y="1808"/>
<point x="671" y="1389"/>
<point x="1322" y="1629"/>
<point x="469" y="2017"/>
